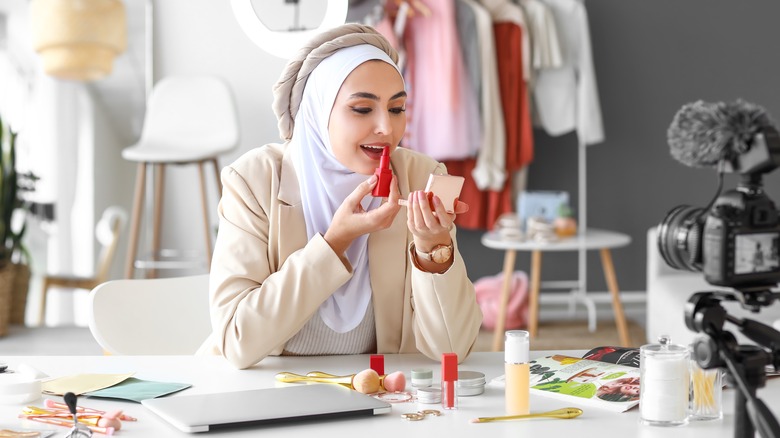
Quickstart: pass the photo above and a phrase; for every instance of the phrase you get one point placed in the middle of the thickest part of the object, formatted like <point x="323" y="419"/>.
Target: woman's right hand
<point x="351" y="221"/>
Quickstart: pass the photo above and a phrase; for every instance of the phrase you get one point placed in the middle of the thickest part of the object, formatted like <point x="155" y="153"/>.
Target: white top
<point x="546" y="50"/>
<point x="567" y="98"/>
<point x="214" y="374"/>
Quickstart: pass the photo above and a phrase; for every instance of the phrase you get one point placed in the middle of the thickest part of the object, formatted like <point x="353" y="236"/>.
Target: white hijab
<point x="325" y="182"/>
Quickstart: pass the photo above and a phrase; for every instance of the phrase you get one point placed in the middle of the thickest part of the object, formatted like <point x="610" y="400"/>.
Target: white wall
<point x="203" y="37"/>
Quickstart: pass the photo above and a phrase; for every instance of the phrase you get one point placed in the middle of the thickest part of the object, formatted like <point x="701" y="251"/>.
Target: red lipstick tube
<point x="449" y="380"/>
<point x="377" y="363"/>
<point x="383" y="175"/>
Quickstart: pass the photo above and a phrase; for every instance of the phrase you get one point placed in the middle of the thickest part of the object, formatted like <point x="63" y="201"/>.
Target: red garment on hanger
<point x="514" y="96"/>
<point x="484" y="206"/>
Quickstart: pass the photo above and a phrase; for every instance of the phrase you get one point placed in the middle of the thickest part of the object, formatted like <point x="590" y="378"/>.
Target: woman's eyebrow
<point x="398" y="94"/>
<point x="372" y="96"/>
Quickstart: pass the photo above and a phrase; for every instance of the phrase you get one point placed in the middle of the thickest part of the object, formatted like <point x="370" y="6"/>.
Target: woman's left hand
<point x="430" y="227"/>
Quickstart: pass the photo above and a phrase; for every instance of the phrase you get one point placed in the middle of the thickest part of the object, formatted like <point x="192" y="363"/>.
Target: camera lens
<point x="679" y="238"/>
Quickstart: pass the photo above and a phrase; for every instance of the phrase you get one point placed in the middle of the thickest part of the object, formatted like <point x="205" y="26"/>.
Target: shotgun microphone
<point x="707" y="134"/>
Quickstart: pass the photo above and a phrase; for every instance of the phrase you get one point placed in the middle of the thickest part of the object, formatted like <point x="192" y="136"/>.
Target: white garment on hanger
<point x="567" y="98"/>
<point x="546" y="50"/>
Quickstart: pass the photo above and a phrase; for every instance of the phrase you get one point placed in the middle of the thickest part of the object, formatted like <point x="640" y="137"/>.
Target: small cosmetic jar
<point x="471" y="383"/>
<point x="508" y="226"/>
<point x="422" y="377"/>
<point x="429" y="395"/>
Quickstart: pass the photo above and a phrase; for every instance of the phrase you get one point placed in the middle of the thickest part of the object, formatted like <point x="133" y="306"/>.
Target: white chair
<point x="188" y="120"/>
<point x="160" y="316"/>
<point x="668" y="291"/>
<point x="107" y="231"/>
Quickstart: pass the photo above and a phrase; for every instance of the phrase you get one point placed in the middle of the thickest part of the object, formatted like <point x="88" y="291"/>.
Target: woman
<point x="620" y="390"/>
<point x="307" y="262"/>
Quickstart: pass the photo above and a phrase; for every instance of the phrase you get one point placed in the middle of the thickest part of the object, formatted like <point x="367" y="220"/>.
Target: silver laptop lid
<point x="204" y="412"/>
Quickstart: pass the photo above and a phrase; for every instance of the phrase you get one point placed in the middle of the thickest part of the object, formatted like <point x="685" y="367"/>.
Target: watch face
<point x="441" y="254"/>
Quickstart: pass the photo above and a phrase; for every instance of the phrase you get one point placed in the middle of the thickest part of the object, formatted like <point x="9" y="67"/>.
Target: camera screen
<point x="756" y="252"/>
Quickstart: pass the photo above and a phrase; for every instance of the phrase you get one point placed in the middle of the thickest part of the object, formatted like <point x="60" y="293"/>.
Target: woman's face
<point x="367" y="116"/>
<point x="632" y="390"/>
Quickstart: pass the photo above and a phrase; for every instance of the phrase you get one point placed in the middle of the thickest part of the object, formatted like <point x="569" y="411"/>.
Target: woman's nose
<point x="383" y="126"/>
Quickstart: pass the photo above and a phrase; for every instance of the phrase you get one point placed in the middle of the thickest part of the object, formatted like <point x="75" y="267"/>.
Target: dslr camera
<point x="735" y="240"/>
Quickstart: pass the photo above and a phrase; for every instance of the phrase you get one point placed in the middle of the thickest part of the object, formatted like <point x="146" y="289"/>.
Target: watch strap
<point x="429" y="255"/>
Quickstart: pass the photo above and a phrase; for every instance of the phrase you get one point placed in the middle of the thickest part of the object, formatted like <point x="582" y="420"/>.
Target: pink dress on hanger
<point x="443" y="115"/>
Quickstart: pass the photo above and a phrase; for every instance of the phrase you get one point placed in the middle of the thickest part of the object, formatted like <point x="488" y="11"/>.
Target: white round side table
<point x="592" y="239"/>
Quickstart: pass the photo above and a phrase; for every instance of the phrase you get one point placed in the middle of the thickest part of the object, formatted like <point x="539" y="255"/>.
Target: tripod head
<point x="745" y="365"/>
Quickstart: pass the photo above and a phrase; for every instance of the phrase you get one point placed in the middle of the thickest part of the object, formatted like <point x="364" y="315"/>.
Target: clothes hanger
<point x="422" y="8"/>
<point x="415" y="6"/>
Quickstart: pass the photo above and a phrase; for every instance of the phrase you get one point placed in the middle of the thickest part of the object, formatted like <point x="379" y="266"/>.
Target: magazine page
<point x="617" y="355"/>
<point x="630" y="357"/>
<point x="587" y="382"/>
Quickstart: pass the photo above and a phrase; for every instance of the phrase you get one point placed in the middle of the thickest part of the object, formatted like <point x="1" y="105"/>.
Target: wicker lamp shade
<point x="78" y="39"/>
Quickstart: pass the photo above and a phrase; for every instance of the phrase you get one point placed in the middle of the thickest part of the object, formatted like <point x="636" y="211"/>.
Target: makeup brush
<point x="564" y="413"/>
<point x="49" y="403"/>
<point x="366" y="381"/>
<point x="393" y="382"/>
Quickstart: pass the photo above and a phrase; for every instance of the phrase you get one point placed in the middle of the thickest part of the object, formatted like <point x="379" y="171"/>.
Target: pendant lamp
<point x="284" y="44"/>
<point x="78" y="39"/>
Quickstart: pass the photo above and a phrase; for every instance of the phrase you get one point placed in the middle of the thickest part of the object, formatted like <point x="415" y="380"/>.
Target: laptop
<point x="205" y="412"/>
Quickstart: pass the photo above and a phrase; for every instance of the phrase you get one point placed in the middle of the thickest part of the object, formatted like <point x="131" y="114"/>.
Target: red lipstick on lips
<point x="383" y="175"/>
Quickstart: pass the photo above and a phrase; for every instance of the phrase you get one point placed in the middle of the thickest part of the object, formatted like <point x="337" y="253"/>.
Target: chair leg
<point x="138" y="199"/>
<point x="42" y="309"/>
<point x="159" y="192"/>
<point x="218" y="176"/>
<point x="204" y="200"/>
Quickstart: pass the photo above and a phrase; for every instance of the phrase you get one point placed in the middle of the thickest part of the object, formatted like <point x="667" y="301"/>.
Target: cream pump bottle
<point x="516" y="372"/>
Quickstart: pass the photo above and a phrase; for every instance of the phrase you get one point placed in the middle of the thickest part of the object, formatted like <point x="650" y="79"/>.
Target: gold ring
<point x="413" y="416"/>
<point x="433" y="412"/>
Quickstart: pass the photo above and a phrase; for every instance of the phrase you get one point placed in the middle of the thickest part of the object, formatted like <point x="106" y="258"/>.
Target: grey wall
<point x="651" y="57"/>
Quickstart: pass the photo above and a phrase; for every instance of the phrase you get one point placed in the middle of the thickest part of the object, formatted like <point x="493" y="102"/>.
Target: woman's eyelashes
<point x="366" y="110"/>
<point x="361" y="110"/>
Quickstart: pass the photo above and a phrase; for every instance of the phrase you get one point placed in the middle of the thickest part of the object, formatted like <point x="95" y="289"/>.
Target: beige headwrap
<point x="288" y="90"/>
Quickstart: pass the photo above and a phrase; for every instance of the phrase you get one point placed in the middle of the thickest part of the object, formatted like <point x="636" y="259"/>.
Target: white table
<point x="601" y="240"/>
<point x="213" y="374"/>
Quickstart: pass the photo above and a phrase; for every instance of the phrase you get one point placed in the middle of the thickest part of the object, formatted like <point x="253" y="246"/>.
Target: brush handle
<point x="315" y="377"/>
<point x="564" y="413"/>
<point x="327" y="375"/>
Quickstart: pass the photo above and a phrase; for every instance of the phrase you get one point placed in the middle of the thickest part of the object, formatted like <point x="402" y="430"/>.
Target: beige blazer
<point x="267" y="279"/>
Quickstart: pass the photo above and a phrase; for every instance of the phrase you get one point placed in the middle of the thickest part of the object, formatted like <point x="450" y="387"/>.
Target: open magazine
<point x="605" y="378"/>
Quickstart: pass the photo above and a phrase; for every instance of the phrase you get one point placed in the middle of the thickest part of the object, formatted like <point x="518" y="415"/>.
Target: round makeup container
<point x="665" y="387"/>
<point x="429" y="395"/>
<point x="471" y="383"/>
<point x="19" y="387"/>
<point x="422" y="377"/>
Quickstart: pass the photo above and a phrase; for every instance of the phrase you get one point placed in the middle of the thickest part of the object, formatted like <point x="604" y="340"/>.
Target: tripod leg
<point x="743" y="427"/>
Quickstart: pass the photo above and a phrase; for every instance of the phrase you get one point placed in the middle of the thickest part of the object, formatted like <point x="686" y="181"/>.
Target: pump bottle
<point x="517" y="372"/>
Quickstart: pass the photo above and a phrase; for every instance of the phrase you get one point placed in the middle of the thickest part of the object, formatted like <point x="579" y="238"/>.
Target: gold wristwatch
<point x="439" y="254"/>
